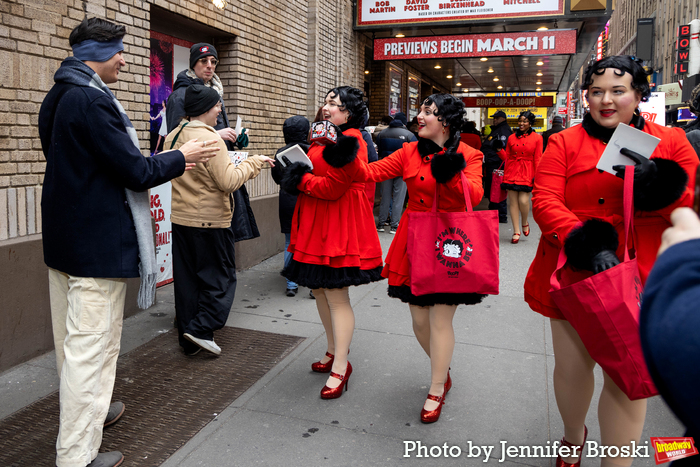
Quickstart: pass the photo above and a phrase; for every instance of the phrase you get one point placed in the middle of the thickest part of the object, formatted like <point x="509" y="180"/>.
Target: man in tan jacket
<point x="204" y="268"/>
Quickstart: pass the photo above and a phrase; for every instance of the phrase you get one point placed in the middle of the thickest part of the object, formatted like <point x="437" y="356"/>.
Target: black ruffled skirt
<point x="403" y="293"/>
<point x="315" y="276"/>
<point x="514" y="187"/>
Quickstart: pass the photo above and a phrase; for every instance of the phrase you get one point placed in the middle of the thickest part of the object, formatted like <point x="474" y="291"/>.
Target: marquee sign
<point x="560" y="41"/>
<point x="373" y="13"/>
<point x="509" y="101"/>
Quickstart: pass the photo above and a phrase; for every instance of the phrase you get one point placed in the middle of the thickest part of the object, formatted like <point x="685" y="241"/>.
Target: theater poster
<point x="169" y="56"/>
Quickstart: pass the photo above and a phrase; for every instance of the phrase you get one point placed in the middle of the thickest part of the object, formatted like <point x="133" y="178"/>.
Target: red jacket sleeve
<point x="335" y="183"/>
<point x="538" y="154"/>
<point x="681" y="152"/>
<point x="385" y="169"/>
<point x="548" y="207"/>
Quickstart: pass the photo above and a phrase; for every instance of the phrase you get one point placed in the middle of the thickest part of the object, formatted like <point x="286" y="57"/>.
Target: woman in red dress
<point x="333" y="240"/>
<point x="437" y="157"/>
<point x="569" y="190"/>
<point x="522" y="154"/>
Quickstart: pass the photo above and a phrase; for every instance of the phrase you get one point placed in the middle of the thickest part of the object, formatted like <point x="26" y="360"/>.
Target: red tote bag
<point x="497" y="194"/>
<point x="604" y="311"/>
<point x="453" y="252"/>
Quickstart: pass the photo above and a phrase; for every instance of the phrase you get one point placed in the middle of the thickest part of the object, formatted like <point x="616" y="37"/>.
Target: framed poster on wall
<point x="414" y="98"/>
<point x="395" y="90"/>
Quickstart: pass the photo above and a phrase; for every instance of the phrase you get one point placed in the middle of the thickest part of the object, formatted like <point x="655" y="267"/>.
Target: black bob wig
<point x="450" y="111"/>
<point x="353" y="101"/>
<point x="623" y="64"/>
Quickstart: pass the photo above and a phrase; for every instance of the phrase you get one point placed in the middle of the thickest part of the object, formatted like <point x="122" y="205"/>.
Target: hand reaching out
<point x="686" y="226"/>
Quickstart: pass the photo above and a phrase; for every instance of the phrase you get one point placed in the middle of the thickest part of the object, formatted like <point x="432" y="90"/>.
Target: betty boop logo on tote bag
<point x="453" y="249"/>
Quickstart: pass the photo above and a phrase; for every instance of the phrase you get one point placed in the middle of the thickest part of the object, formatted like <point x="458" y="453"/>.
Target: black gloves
<point x="644" y="169"/>
<point x="497" y="144"/>
<point x="604" y="260"/>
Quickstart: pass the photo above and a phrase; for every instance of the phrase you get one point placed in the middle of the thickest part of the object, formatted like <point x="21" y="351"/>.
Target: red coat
<point x="570" y="189"/>
<point x="522" y="155"/>
<point x="415" y="170"/>
<point x="333" y="224"/>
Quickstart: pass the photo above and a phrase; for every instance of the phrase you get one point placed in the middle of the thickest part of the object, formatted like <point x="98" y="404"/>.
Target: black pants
<point x="204" y="272"/>
<point x="502" y="208"/>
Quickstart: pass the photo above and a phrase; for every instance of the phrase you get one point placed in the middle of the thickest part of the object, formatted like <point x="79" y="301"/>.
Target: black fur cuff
<point x="664" y="190"/>
<point x="342" y="153"/>
<point x="292" y="177"/>
<point x="447" y="165"/>
<point x="586" y="241"/>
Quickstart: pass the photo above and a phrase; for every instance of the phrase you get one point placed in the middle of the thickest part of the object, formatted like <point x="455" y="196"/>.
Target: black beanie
<point x="199" y="99"/>
<point x="201" y="50"/>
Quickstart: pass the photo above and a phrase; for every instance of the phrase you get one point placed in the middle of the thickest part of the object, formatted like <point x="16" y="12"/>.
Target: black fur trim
<point x="664" y="190"/>
<point x="403" y="293"/>
<point x="292" y="177"/>
<point x="586" y="241"/>
<point x="520" y="134"/>
<point x="604" y="134"/>
<point x="342" y="153"/>
<point x="427" y="147"/>
<point x="316" y="276"/>
<point x="447" y="165"/>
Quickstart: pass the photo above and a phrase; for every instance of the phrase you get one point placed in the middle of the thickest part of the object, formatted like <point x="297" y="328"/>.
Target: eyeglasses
<point x="204" y="61"/>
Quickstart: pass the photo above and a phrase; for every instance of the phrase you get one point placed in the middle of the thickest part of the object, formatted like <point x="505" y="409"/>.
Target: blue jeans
<point x="287" y="258"/>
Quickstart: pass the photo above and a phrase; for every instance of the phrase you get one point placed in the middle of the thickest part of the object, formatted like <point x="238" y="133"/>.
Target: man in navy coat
<point x="96" y="230"/>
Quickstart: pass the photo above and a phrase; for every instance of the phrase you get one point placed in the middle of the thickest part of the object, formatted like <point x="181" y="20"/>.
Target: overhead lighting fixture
<point x="539" y="82"/>
<point x="495" y="78"/>
<point x="437" y="67"/>
<point x="220" y="4"/>
<point x="484" y="59"/>
<point x="538" y="89"/>
<point x="490" y="70"/>
<point x="366" y="72"/>
<point x="542" y="28"/>
<point x="499" y="87"/>
<point x="539" y="73"/>
<point x="540" y="63"/>
<point x="400" y="35"/>
<point x="458" y="84"/>
<point x="448" y="76"/>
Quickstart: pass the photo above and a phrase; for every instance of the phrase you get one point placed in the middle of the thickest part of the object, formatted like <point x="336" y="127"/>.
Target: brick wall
<point x="277" y="59"/>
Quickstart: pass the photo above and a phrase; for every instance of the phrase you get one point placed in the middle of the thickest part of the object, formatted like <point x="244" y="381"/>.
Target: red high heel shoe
<point x="432" y="416"/>
<point x="564" y="442"/>
<point x="334" y="393"/>
<point x="526" y="226"/>
<point x="448" y="383"/>
<point x="319" y="367"/>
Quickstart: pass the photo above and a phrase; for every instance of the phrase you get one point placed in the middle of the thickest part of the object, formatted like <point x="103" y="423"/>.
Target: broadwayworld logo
<point x="669" y="449"/>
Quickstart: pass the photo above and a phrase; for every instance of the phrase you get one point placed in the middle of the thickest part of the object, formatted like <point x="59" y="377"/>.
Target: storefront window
<point x="395" y="95"/>
<point x="413" y="97"/>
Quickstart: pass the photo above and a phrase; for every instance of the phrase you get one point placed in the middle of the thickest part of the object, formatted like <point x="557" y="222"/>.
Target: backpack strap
<point x="178" y="135"/>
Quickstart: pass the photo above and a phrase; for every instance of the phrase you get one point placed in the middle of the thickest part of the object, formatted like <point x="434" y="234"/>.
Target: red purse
<point x="604" y="310"/>
<point x="497" y="194"/>
<point x="453" y="252"/>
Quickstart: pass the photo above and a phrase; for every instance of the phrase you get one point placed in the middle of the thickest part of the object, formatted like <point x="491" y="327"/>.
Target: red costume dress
<point x="522" y="155"/>
<point x="570" y="190"/>
<point x="333" y="237"/>
<point x="414" y="163"/>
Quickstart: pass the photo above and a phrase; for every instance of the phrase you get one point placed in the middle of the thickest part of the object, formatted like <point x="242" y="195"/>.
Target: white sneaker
<point x="203" y="343"/>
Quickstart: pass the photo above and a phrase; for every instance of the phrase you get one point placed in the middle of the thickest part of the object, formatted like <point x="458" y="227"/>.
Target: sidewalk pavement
<point x="501" y="371"/>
